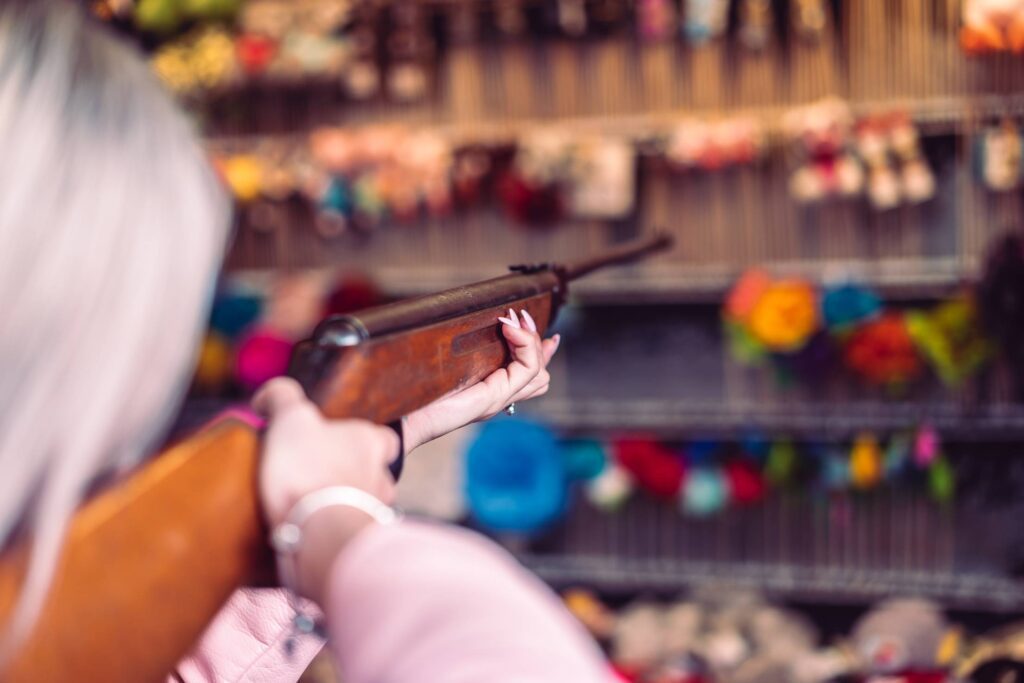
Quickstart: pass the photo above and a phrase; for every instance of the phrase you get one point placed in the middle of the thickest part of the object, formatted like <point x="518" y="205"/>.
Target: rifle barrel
<point x="626" y="253"/>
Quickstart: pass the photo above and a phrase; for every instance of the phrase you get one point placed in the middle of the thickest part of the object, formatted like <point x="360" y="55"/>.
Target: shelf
<point x="896" y="279"/>
<point x="686" y="418"/>
<point x="972" y="590"/>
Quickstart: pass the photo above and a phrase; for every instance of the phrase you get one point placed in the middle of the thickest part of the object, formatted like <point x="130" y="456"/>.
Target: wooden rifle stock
<point x="149" y="562"/>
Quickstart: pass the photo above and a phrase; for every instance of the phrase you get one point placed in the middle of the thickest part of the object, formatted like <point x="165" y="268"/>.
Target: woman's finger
<point x="526" y="357"/>
<point x="278" y="395"/>
<point x="548" y="348"/>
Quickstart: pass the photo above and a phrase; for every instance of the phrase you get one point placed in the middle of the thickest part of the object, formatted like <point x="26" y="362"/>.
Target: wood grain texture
<point x="372" y="380"/>
<point x="147" y="564"/>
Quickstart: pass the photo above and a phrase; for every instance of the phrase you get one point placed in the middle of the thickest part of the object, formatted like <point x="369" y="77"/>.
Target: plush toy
<point x="585" y="459"/>
<point x="865" y="462"/>
<point x="992" y="26"/>
<point x="611" y="488"/>
<point x="263" y="353"/>
<point x="900" y="635"/>
<point x="999" y="155"/>
<point x="705" y="492"/>
<point x="883" y="352"/>
<point x="785" y="316"/>
<point x="823" y="132"/>
<point x="654" y="467"/>
<point x="515" y="477"/>
<point x="846" y="305"/>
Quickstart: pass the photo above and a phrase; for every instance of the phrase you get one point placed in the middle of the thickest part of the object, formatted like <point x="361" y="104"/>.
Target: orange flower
<point x="785" y="316"/>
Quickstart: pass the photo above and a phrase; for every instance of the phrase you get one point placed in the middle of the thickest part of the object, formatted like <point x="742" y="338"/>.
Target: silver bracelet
<point x="286" y="538"/>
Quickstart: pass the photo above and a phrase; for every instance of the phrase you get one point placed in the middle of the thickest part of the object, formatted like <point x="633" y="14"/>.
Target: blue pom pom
<point x="847" y="305"/>
<point x="233" y="311"/>
<point x="835" y="470"/>
<point x="584" y="459"/>
<point x="701" y="452"/>
<point x="515" y="477"/>
<point x="756" y="445"/>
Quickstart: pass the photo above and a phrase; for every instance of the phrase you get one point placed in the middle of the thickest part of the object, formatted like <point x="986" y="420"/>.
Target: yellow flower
<point x="785" y="316"/>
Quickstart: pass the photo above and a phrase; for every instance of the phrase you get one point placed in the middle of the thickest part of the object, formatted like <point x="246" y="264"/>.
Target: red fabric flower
<point x="883" y="351"/>
<point x="746" y="485"/>
<point x="654" y="467"/>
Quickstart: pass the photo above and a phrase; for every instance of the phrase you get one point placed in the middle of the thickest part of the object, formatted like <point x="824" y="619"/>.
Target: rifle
<point x="148" y="562"/>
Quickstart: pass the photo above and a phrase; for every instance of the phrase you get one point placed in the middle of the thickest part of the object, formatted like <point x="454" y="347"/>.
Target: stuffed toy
<point x="992" y="26"/>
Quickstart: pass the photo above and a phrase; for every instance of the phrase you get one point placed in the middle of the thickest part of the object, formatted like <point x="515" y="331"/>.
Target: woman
<point x="111" y="230"/>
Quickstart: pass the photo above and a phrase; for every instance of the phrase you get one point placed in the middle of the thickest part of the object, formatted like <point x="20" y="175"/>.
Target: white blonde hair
<point x="112" y="225"/>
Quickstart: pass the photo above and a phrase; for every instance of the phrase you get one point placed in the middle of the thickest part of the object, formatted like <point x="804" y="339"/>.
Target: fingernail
<point x="530" y="324"/>
<point x="515" y="318"/>
<point x="557" y="339"/>
<point x="508" y="322"/>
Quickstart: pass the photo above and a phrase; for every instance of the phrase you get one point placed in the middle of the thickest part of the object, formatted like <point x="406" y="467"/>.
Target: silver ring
<point x="511" y="409"/>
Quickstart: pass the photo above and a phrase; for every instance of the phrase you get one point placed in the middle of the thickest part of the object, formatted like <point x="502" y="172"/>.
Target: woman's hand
<point x="524" y="378"/>
<point x="304" y="452"/>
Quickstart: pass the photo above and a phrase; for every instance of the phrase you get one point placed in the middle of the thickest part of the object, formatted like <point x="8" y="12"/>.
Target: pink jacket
<point x="410" y="603"/>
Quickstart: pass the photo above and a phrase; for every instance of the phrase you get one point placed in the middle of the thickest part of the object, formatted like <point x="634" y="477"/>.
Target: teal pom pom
<point x="234" y="311"/>
<point x="584" y="459"/>
<point x="705" y="492"/>
<point x="835" y="470"/>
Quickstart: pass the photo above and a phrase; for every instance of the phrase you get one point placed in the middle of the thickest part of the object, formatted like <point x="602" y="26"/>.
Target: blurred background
<point x="789" y="450"/>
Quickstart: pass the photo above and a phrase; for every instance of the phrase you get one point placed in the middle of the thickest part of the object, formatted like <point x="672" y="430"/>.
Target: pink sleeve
<point x="246" y="642"/>
<point x="415" y="602"/>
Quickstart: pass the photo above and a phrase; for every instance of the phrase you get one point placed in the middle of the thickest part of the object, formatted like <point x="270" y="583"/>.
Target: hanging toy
<point x="602" y="178"/>
<point x="823" y="132"/>
<point x="704" y="20"/>
<point x="590" y="611"/>
<point x="883" y="186"/>
<point x="899" y="635"/>
<point x="847" y="305"/>
<point x="610" y="490"/>
<point x="746" y="485"/>
<point x="244" y="176"/>
<point x="652" y="466"/>
<point x="655" y="19"/>
<point x="835" y="470"/>
<point x="515" y="477"/>
<point x="999" y="157"/>
<point x="810" y="17"/>
<point x="926" y="446"/>
<point x="362" y="77"/>
<point x="755" y="23"/>
<point x="263" y="354"/>
<point x="883" y="352"/>
<point x="941" y="480"/>
<point x="638" y="641"/>
<point x="214" y="365"/>
<point x="992" y="26"/>
<point x="897" y="455"/>
<point x="951" y="338"/>
<point x="785" y="316"/>
<point x="918" y="181"/>
<point x="780" y="467"/>
<point x="865" y="462"/>
<point x="585" y="459"/>
<point x="158" y="16"/>
<point x="705" y="492"/>
<point x="233" y="310"/>
<point x="410" y="49"/>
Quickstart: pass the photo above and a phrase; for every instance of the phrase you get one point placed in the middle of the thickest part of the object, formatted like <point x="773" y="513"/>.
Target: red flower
<point x="883" y="351"/>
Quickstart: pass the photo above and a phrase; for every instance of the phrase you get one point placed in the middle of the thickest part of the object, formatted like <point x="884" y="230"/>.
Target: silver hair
<point x="112" y="226"/>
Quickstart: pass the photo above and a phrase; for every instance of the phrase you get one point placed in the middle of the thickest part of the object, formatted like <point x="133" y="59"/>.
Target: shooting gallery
<point x="777" y="248"/>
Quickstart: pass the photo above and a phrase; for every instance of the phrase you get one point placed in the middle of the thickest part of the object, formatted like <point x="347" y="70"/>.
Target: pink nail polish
<point x="530" y="324"/>
<point x="507" y="322"/>
<point x="515" y="318"/>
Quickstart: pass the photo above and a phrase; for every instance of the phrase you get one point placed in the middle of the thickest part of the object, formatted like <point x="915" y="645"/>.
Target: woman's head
<point x="112" y="226"/>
